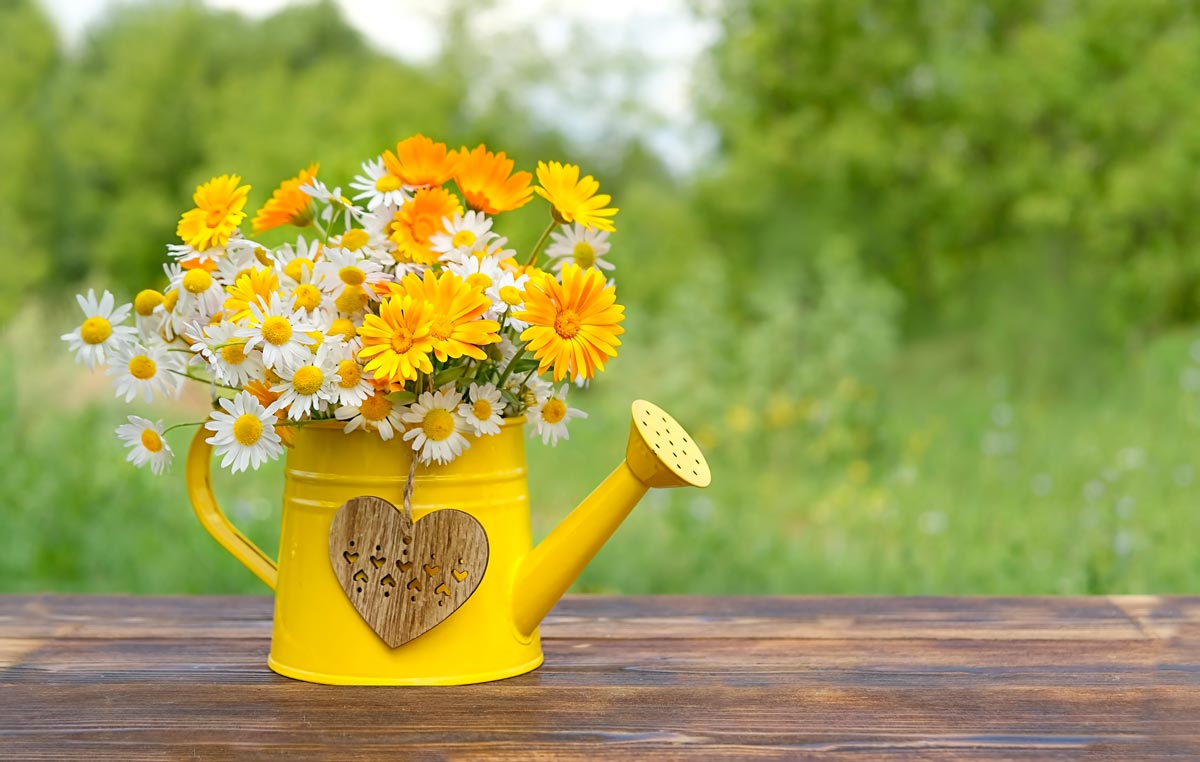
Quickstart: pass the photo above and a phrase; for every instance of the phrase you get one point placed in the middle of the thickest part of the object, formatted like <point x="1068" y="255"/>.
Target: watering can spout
<point x="659" y="454"/>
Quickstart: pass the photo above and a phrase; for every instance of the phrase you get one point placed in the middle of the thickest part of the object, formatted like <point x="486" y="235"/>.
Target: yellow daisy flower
<point x="418" y="221"/>
<point x="288" y="205"/>
<point x="218" y="213"/>
<point x="573" y="325"/>
<point x="397" y="341"/>
<point x="487" y="181"/>
<point x="418" y="161"/>
<point x="248" y="289"/>
<point x="456" y="307"/>
<point x="574" y="200"/>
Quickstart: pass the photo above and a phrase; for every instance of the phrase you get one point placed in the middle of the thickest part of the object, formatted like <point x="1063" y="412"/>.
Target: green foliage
<point x="957" y="142"/>
<point x="923" y="309"/>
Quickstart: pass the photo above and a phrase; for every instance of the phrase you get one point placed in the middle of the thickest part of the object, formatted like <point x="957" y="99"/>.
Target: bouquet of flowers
<point x="399" y="311"/>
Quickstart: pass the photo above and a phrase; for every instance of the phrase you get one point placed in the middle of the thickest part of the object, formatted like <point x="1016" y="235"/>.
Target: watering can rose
<point x="400" y="311"/>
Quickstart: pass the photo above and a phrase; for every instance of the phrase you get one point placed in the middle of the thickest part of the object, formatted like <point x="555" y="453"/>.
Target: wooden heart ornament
<point x="405" y="577"/>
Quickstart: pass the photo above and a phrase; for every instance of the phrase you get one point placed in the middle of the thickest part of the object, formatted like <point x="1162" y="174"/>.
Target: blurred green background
<point x="925" y="287"/>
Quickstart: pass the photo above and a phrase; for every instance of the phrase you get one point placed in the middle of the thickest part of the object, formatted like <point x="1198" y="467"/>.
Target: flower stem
<point x="205" y="380"/>
<point x="537" y="247"/>
<point x="508" y="369"/>
<point x="174" y="426"/>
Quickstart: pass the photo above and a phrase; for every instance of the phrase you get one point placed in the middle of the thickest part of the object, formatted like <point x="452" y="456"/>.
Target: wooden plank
<point x="853" y="618"/>
<point x="673" y="678"/>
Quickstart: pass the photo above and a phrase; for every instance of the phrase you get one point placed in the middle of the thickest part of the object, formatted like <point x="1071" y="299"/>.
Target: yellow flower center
<point x="351" y="300"/>
<point x="277" y="330"/>
<point x="234" y="354"/>
<point x="566" y="324"/>
<point x="585" y="255"/>
<point x="145" y="302"/>
<point x="343" y="327"/>
<point x="376" y="407"/>
<point x="438" y="424"/>
<point x="388" y="183"/>
<point x="402" y="340"/>
<point x="463" y="238"/>
<point x="510" y="295"/>
<point x="479" y="281"/>
<point x="308" y="379"/>
<point x="307" y="296"/>
<point x="95" y="330"/>
<point x="353" y="240"/>
<point x="295" y="268"/>
<point x="482" y="409"/>
<point x="554" y="411"/>
<point x="247" y="429"/>
<point x="442" y="328"/>
<point x="197" y="281"/>
<point x="151" y="440"/>
<point x="142" y="367"/>
<point x="352" y="276"/>
<point x="170" y="299"/>
<point x="348" y="374"/>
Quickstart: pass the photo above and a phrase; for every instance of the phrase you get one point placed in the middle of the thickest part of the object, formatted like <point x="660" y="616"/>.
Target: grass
<point x="974" y="483"/>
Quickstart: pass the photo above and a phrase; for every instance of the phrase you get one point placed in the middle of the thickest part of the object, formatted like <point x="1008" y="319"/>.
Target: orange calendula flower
<point x="420" y="219"/>
<point x="487" y="181"/>
<point x="218" y="212"/>
<point x="457" y="307"/>
<point x="573" y="325"/>
<point x="574" y="200"/>
<point x="248" y="289"/>
<point x="288" y="205"/>
<point x="397" y="342"/>
<point x="418" y="161"/>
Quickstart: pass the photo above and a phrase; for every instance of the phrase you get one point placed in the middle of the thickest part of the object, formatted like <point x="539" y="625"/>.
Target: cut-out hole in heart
<point x="436" y="590"/>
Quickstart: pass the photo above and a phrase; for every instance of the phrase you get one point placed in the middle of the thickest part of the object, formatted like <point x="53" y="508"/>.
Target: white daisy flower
<point x="341" y="268"/>
<point x="583" y="246"/>
<point x="437" y="434"/>
<point x="462" y="235"/>
<point x="307" y="386"/>
<point x="375" y="413"/>
<point x="351" y="386"/>
<point x="231" y="363"/>
<point x="483" y="412"/>
<point x="335" y="202"/>
<point x="147" y="369"/>
<point x="244" y="434"/>
<point x="291" y="261"/>
<point x="199" y="291"/>
<point x="146" y="315"/>
<point x="101" y="332"/>
<point x="281" y="331"/>
<point x="380" y="245"/>
<point x="550" y="416"/>
<point x="239" y="260"/>
<point x="144" y="438"/>
<point x="380" y="187"/>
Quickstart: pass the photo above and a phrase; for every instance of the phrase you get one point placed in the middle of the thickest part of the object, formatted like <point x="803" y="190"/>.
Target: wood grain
<point x="405" y="578"/>
<point x="124" y="678"/>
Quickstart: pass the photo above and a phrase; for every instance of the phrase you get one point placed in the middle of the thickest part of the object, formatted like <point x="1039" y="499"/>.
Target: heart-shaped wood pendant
<point x="405" y="578"/>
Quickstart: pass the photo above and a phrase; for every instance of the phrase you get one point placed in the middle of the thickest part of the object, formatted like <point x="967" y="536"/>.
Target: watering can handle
<point x="199" y="486"/>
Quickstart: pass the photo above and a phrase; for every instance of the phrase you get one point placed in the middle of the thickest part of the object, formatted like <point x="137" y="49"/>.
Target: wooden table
<point x="672" y="677"/>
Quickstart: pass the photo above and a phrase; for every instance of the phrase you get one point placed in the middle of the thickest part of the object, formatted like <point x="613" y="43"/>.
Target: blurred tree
<point x="962" y="143"/>
<point x="28" y="59"/>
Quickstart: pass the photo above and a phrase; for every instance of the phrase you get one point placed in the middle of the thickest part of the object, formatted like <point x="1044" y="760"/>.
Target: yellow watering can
<point x="319" y="634"/>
